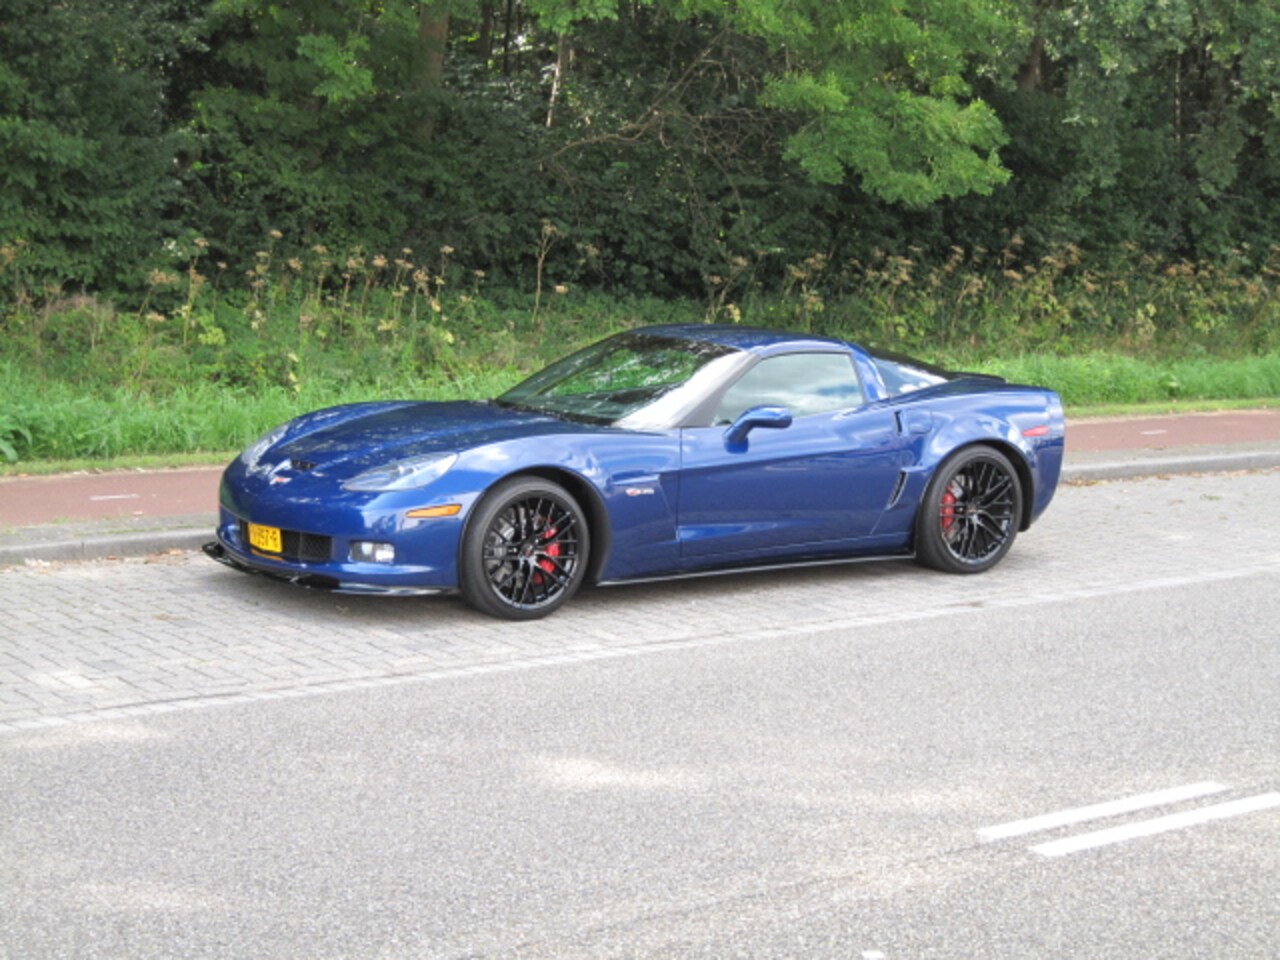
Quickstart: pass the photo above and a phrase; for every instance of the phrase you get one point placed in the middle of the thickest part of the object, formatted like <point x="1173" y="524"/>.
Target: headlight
<point x="254" y="452"/>
<point x="405" y="475"/>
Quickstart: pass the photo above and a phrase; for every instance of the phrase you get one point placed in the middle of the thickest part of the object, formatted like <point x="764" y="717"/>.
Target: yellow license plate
<point x="266" y="539"/>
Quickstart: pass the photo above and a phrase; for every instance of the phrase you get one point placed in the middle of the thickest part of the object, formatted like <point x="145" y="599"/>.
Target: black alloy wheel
<point x="525" y="550"/>
<point x="970" y="513"/>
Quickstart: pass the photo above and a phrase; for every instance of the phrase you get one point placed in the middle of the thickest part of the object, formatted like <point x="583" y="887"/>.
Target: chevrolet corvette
<point x="661" y="452"/>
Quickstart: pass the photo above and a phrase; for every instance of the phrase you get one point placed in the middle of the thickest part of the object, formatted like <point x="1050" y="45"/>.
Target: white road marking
<point x="1147" y="828"/>
<point x="117" y="496"/>
<point x="1152" y="433"/>
<point x="1097" y="811"/>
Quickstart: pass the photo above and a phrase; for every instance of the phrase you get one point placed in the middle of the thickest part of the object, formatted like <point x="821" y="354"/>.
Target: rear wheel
<point x="969" y="516"/>
<point x="525" y="550"/>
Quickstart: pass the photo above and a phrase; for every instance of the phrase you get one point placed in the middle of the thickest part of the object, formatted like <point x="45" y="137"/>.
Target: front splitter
<point x="314" y="581"/>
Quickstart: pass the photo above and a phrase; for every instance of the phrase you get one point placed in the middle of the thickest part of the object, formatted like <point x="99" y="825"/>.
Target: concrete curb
<point x="58" y="543"/>
<point x="1156" y="466"/>
<point x="101" y="546"/>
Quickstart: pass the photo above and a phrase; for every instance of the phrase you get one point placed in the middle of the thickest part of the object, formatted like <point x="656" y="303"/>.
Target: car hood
<point x="343" y="441"/>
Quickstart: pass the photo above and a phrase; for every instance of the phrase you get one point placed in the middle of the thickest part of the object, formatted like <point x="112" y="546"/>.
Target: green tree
<point x="306" y="124"/>
<point x="885" y="90"/>
<point x="87" y="160"/>
<point x="1164" y="121"/>
<point x="879" y="88"/>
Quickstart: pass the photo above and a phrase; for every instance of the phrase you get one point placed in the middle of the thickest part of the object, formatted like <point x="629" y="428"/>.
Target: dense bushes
<point x="86" y="155"/>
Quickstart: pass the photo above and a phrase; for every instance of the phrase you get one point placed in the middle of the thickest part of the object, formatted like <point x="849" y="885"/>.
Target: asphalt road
<point x="832" y="763"/>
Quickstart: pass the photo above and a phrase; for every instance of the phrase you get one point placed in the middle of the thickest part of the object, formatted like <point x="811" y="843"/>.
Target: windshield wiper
<point x="559" y="414"/>
<point x="510" y="405"/>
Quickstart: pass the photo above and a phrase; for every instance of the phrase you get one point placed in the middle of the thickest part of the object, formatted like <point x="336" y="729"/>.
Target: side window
<point x="804" y="383"/>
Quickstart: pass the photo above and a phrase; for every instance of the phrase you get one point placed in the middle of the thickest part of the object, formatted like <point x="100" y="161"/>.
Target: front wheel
<point x="525" y="550"/>
<point x="970" y="512"/>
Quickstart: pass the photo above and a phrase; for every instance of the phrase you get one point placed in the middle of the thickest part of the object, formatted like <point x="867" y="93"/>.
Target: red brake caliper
<point x="948" y="511"/>
<point x="552" y="550"/>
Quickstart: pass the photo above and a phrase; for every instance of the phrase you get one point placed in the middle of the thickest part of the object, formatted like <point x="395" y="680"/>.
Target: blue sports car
<point x="665" y="451"/>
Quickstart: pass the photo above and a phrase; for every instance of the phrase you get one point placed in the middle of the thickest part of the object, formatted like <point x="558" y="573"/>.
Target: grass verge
<point x="126" y="463"/>
<point x="176" y="461"/>
<point x="56" y="428"/>
<point x="1103" y="411"/>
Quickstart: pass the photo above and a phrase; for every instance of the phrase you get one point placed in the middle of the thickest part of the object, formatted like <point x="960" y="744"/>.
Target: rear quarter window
<point x="904" y="375"/>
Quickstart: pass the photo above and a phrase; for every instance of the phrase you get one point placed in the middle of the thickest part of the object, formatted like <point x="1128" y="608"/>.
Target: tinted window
<point x="804" y="383"/>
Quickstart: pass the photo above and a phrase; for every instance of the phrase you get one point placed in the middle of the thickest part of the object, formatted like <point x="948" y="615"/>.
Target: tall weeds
<point x="205" y="359"/>
<point x="976" y="302"/>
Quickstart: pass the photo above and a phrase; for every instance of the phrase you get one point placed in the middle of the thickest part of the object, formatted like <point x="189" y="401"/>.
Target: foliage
<point x="885" y="90"/>
<point x="86" y="175"/>
<point x="674" y="147"/>
<point x="204" y="202"/>
<point x="210" y="357"/>
<point x="1168" y="114"/>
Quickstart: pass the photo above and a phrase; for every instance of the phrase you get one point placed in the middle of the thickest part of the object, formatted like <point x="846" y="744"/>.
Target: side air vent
<point x="897" y="490"/>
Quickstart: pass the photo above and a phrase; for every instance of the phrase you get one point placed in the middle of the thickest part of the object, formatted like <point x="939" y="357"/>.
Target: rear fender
<point x="979" y="430"/>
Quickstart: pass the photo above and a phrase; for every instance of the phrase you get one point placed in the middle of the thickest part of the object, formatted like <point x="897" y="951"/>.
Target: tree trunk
<point x="433" y="34"/>
<point x="488" y="19"/>
<point x="564" y="55"/>
<point x="506" y="38"/>
<point x="1031" y="73"/>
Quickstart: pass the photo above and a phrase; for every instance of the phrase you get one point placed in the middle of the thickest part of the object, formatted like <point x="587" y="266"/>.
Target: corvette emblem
<point x="275" y="477"/>
<point x="640" y="491"/>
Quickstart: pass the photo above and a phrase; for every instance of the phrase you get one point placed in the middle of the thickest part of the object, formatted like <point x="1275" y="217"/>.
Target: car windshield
<point x="631" y="380"/>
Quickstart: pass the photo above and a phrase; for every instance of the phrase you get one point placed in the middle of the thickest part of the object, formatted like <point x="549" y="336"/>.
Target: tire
<point x="970" y="513"/>
<point x="525" y="550"/>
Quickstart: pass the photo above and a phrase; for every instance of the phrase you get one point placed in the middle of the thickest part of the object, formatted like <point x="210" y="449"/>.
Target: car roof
<point x="753" y="339"/>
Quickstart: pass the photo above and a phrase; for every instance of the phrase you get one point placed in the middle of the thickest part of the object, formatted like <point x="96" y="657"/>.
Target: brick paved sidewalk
<point x="107" y="640"/>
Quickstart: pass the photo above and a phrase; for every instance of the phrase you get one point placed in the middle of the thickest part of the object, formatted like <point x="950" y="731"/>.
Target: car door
<point x="823" y="480"/>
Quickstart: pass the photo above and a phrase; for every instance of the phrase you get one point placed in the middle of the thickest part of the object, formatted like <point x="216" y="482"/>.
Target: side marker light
<point x="1040" y="431"/>
<point x="425" y="513"/>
